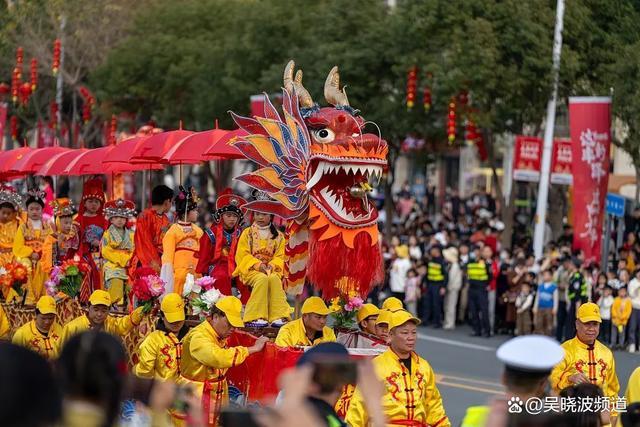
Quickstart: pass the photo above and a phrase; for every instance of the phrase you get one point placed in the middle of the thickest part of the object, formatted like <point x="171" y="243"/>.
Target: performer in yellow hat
<point x="382" y="325"/>
<point x="161" y="350"/>
<point x="367" y="316"/>
<point x="392" y="304"/>
<point x="98" y="318"/>
<point x="260" y="265"/>
<point x="206" y="357"/>
<point x="310" y="329"/>
<point x="42" y="334"/>
<point x="586" y="359"/>
<point x="411" y="396"/>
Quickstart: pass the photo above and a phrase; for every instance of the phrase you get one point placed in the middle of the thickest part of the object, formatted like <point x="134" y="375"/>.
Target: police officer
<point x="479" y="276"/>
<point x="436" y="281"/>
<point x="528" y="361"/>
<point x="576" y="296"/>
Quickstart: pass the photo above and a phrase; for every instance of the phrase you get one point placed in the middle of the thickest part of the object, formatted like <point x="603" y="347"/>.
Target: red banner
<point x="561" y="162"/>
<point x="3" y="121"/>
<point x="590" y="126"/>
<point x="527" y="155"/>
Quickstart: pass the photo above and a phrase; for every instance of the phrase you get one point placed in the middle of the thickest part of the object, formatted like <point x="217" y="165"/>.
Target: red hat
<point x="93" y="189"/>
<point x="119" y="208"/>
<point x="229" y="202"/>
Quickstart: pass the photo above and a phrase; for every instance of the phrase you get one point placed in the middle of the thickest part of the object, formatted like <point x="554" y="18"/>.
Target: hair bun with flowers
<point x="35" y="196"/>
<point x="186" y="200"/>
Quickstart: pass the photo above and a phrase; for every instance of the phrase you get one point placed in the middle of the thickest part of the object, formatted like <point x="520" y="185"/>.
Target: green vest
<point x="477" y="272"/>
<point x="434" y="272"/>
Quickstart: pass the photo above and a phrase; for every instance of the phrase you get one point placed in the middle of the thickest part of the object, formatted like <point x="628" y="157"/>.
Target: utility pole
<point x="543" y="189"/>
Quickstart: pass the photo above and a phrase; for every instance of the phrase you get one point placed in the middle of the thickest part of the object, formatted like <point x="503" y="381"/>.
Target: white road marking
<point x="456" y="343"/>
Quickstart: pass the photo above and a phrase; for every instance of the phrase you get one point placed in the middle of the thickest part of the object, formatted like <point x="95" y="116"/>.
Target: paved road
<point x="468" y="373"/>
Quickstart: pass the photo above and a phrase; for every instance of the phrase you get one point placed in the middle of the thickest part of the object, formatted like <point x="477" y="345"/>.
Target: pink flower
<point x="155" y="285"/>
<point x="348" y="307"/>
<point x="205" y="282"/>
<point x="356" y="302"/>
<point x="51" y="288"/>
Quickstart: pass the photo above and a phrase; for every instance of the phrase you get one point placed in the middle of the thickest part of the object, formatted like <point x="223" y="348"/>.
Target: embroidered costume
<point x="10" y="199"/>
<point x="61" y="245"/>
<point x="216" y="257"/>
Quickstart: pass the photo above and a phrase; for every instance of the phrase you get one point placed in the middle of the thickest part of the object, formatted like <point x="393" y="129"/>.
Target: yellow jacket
<point x="577" y="357"/>
<point x="621" y="311"/>
<point x="7" y="234"/>
<point x="30" y="337"/>
<point x="114" y="325"/>
<point x="116" y="258"/>
<point x="293" y="334"/>
<point x="409" y="396"/>
<point x="633" y="387"/>
<point x="205" y="361"/>
<point x="159" y="356"/>
<point x="5" y="326"/>
<point x="252" y="250"/>
<point x="28" y="240"/>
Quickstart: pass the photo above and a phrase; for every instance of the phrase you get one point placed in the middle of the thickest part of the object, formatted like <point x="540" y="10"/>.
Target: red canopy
<point x="221" y="148"/>
<point x="89" y="162"/>
<point x="56" y="164"/>
<point x="192" y="149"/>
<point x="125" y="149"/>
<point x="35" y="159"/>
<point x="9" y="158"/>
<point x="154" y="148"/>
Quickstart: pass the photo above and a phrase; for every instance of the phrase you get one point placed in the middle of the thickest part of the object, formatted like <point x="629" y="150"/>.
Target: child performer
<point x="10" y="202"/>
<point x="260" y="265"/>
<point x="27" y="246"/>
<point x="215" y="258"/>
<point x="64" y="243"/>
<point x="181" y="243"/>
<point x="92" y="225"/>
<point x="151" y="227"/>
<point x="117" y="247"/>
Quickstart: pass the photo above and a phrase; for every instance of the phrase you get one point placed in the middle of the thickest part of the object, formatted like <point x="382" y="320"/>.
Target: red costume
<point x="150" y="230"/>
<point x="217" y="245"/>
<point x="91" y="230"/>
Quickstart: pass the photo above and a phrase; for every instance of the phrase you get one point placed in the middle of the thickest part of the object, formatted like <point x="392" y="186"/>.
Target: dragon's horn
<point x="292" y="85"/>
<point x="332" y="92"/>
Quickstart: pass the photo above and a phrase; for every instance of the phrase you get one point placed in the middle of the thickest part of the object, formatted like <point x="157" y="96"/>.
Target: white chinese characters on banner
<point x="594" y="152"/>
<point x="593" y="214"/>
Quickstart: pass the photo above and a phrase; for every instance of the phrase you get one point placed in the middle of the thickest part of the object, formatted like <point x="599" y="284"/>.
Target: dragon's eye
<point x="323" y="135"/>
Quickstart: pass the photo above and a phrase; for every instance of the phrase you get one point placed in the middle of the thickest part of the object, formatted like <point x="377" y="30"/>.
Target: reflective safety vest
<point x="476" y="416"/>
<point x="434" y="272"/>
<point x="577" y="283"/>
<point x="477" y="273"/>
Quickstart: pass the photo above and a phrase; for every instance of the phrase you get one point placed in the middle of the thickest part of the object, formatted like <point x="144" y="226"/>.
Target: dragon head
<point x="343" y="161"/>
<point x="318" y="166"/>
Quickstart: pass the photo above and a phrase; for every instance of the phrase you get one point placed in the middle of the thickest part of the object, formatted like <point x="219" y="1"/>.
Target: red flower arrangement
<point x="147" y="287"/>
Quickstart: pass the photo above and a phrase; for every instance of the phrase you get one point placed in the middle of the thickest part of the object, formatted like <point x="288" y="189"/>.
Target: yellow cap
<point x="315" y="305"/>
<point x="384" y="317"/>
<point x="100" y="297"/>
<point x="366" y="311"/>
<point x="589" y="312"/>
<point x="402" y="251"/>
<point x="173" y="307"/>
<point x="46" y="305"/>
<point x="401" y="317"/>
<point x="231" y="307"/>
<point x="392" y="304"/>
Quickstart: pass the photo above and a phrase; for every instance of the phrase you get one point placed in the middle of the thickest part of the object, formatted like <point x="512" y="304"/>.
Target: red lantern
<point x="5" y="89"/>
<point x="86" y="112"/>
<point x="451" y="121"/>
<point x="13" y="122"/>
<point x="34" y="74"/>
<point x="19" y="57"/>
<point x="25" y="92"/>
<point x="412" y="85"/>
<point x="15" y="85"/>
<point x="426" y="99"/>
<point x="470" y="132"/>
<point x="57" y="49"/>
<point x="113" y="130"/>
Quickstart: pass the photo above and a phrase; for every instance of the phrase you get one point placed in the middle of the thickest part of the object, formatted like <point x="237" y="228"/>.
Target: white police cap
<point x="531" y="353"/>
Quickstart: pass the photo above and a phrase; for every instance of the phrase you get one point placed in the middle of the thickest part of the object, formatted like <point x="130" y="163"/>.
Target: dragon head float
<point x="318" y="165"/>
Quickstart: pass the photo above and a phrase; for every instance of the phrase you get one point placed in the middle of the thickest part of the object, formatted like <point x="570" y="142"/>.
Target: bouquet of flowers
<point x="13" y="276"/>
<point x="344" y="309"/>
<point x="147" y="287"/>
<point x="202" y="294"/>
<point x="67" y="278"/>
